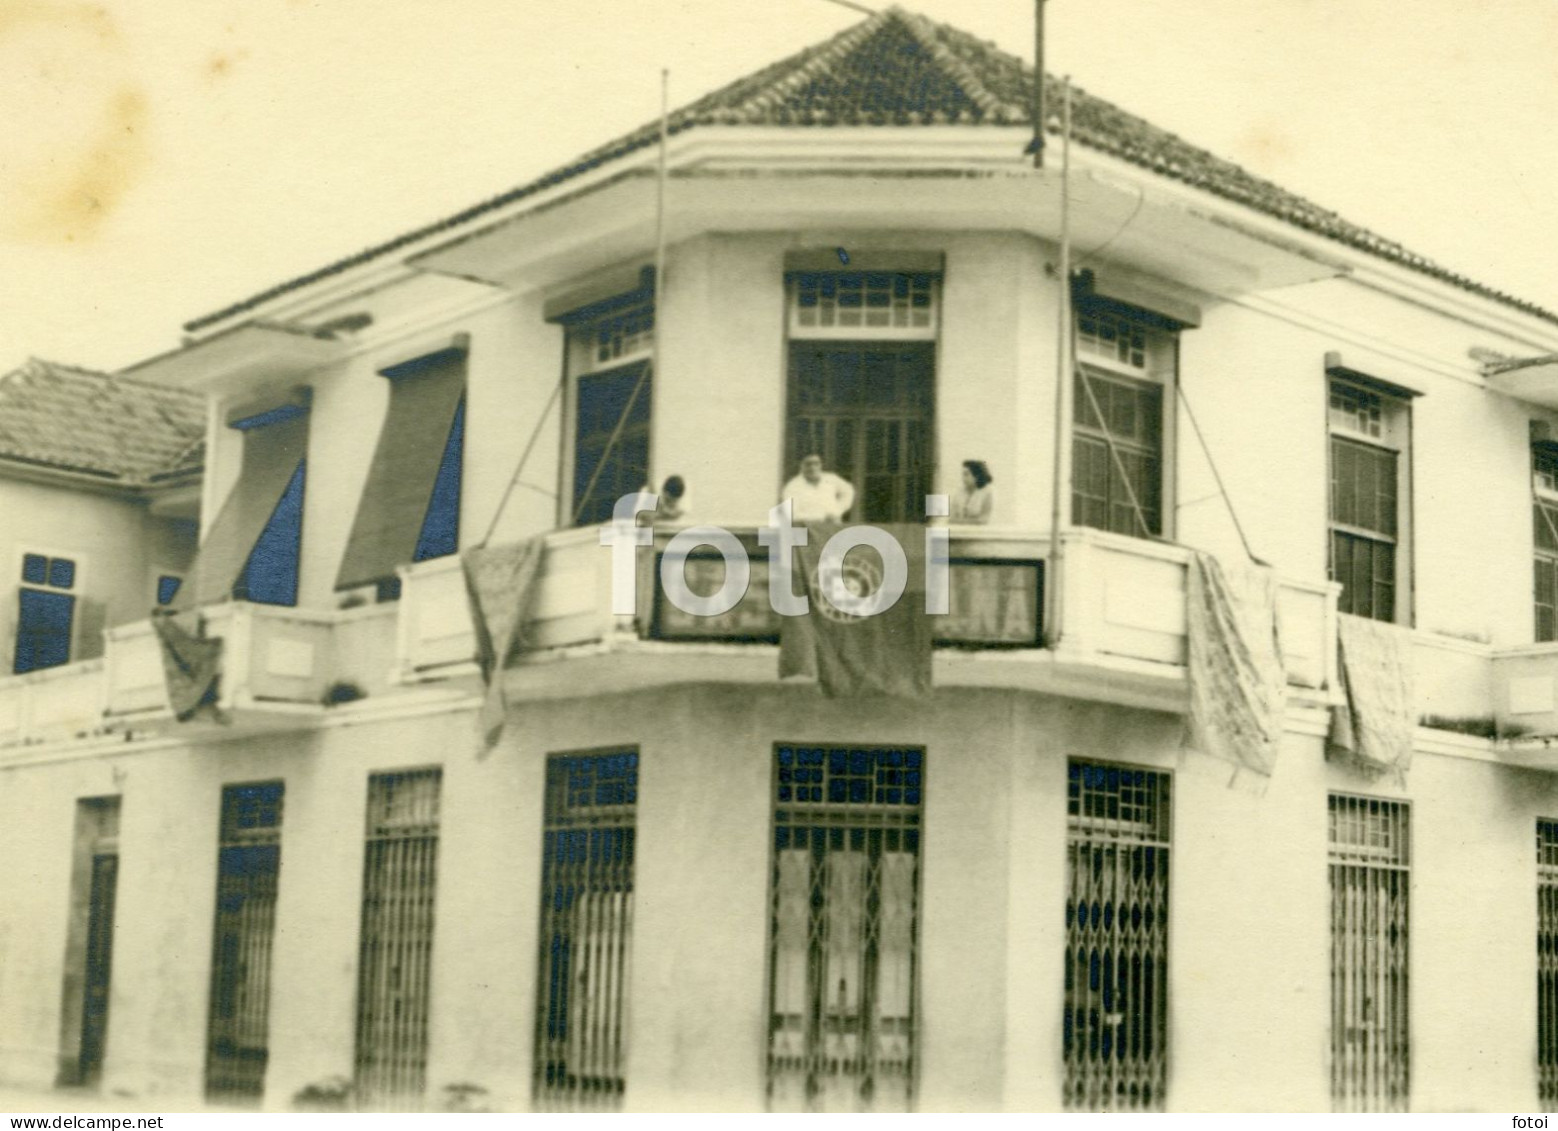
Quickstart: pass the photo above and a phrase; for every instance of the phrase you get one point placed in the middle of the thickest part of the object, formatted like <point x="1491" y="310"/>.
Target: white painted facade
<point x="1248" y="916"/>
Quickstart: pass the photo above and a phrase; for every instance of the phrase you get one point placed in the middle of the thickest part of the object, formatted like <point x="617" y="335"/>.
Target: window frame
<point x="75" y="592"/>
<point x="1544" y="508"/>
<point x="1394" y="438"/>
<point x="581" y="361"/>
<point x="1159" y="368"/>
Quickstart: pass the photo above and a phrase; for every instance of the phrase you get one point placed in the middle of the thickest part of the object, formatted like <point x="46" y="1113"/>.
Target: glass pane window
<point x="863" y="300"/>
<point x="1366" y="567"/>
<point x="1111" y="337"/>
<point x="623" y="334"/>
<point x="1110" y="487"/>
<point x="1367" y="501"/>
<point x="1356" y="410"/>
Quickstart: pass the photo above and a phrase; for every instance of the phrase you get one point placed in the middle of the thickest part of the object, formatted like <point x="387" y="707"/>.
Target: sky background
<point x="159" y="160"/>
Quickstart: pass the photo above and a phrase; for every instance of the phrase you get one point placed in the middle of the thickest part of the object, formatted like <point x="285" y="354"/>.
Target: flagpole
<point x="1062" y="376"/>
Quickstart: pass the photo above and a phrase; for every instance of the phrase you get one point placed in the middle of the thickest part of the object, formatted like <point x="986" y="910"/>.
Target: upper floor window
<point x="863" y="304"/>
<point x="410" y="506"/>
<point x="610" y="353"/>
<point x="252" y="549"/>
<point x="1369" y="436"/>
<point x="46" y="612"/>
<point x="862" y="379"/>
<point x="1544" y="514"/>
<point x="1125" y="360"/>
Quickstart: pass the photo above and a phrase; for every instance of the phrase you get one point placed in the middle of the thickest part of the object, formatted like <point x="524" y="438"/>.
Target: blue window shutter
<point x="270" y="576"/>
<point x="43" y="630"/>
<point x="440" y="534"/>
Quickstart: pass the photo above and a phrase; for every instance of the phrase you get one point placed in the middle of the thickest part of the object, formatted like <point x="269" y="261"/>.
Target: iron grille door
<point x="844" y="931"/>
<point x="586" y="929"/>
<point x="1115" y="1027"/>
<point x="248" y="866"/>
<point x="399" y="884"/>
<point x="1370" y="1045"/>
<point x="1547" y="962"/>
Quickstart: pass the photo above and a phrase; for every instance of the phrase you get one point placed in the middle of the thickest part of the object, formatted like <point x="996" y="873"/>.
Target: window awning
<point x="274" y="444"/>
<point x="424" y="397"/>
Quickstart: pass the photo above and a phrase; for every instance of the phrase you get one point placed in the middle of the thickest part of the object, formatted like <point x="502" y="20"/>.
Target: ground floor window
<point x="586" y="929"/>
<point x="248" y="868"/>
<point x="844" y="930"/>
<point x="1547" y="962"/>
<point x="400" y="872"/>
<point x="1370" y="847"/>
<point x="1115" y="1028"/>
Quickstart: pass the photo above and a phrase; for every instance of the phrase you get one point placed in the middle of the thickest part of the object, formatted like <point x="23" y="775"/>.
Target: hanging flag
<point x="888" y="653"/>
<point x="1238" y="689"/>
<point x="1372" y="728"/>
<point x="191" y="665"/>
<point x="500" y="582"/>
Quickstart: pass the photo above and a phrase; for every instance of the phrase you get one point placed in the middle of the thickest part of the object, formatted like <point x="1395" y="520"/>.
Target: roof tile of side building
<point x="118" y="429"/>
<point x="898" y="68"/>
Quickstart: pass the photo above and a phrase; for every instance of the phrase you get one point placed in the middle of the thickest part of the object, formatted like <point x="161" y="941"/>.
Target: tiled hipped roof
<point x="118" y="429"/>
<point x="900" y="69"/>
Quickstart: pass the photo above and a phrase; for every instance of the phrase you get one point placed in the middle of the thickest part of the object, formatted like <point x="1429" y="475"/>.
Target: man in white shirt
<point x="818" y="496"/>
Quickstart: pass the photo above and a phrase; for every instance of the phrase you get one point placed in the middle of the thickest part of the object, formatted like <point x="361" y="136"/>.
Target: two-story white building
<point x="680" y="881"/>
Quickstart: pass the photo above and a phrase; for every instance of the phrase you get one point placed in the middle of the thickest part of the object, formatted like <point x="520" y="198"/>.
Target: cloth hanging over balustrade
<point x="1373" y="727"/>
<point x="1238" y="688"/>
<point x="501" y="584"/>
<point x="191" y="665"/>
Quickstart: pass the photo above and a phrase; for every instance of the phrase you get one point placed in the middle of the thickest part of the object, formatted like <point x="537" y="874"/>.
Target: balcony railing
<point x="1121" y="608"/>
<point x="278" y="665"/>
<point x="1122" y="639"/>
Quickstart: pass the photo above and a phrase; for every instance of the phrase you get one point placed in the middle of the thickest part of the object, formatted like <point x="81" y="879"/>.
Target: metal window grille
<point x="1547" y="962"/>
<point x="248" y="867"/>
<point x="586" y="930"/>
<point x="399" y="885"/>
<point x="1132" y="414"/>
<point x="1369" y="859"/>
<point x="847" y="303"/>
<point x="843" y="960"/>
<point x="1115" y="1027"/>
<point x="1112" y="338"/>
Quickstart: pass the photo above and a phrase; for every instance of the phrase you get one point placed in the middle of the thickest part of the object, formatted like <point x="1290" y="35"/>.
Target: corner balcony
<point x="1121" y="608"/>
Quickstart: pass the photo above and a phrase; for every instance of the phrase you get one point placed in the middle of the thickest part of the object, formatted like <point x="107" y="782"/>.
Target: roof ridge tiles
<point x="991" y="86"/>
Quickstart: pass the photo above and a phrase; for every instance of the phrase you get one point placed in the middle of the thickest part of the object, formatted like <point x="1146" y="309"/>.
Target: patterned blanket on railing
<point x="1238" y="690"/>
<point x="1372" y="728"/>
<point x="191" y="664"/>
<point x="500" y="582"/>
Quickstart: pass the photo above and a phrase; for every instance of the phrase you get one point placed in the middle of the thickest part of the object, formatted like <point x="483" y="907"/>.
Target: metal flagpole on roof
<point x="654" y="326"/>
<point x="1062" y="369"/>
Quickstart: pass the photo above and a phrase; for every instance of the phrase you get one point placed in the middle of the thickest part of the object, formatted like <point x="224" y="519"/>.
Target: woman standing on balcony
<point x="972" y="507"/>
